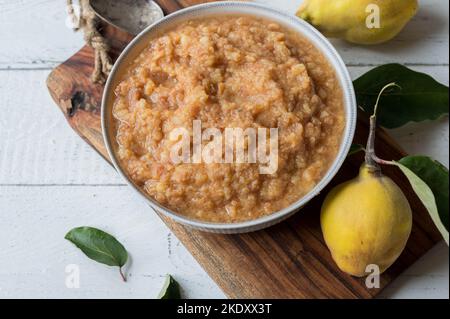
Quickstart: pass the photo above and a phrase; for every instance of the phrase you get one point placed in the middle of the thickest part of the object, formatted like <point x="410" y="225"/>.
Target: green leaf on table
<point x="426" y="196"/>
<point x="418" y="98"/>
<point x="170" y="290"/>
<point x="99" y="246"/>
<point x="355" y="148"/>
<point x="435" y="175"/>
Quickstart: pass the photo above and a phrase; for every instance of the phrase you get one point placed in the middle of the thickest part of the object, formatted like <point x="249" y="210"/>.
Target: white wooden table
<point x="51" y="181"/>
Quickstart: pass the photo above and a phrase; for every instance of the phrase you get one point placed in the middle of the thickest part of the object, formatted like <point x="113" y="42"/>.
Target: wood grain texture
<point x="289" y="260"/>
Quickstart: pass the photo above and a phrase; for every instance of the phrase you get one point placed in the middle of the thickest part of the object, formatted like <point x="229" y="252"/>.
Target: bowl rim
<point x="318" y="40"/>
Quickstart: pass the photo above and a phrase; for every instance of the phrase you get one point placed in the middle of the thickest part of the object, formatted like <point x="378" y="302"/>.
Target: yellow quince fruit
<point x="359" y="21"/>
<point x="366" y="221"/>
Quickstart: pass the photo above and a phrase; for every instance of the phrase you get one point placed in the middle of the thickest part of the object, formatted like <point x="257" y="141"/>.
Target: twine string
<point x="87" y="22"/>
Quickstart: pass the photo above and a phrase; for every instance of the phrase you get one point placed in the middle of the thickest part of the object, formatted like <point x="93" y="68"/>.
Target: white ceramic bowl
<point x="232" y="8"/>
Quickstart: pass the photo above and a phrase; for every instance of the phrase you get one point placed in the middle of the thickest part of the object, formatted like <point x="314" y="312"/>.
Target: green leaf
<point x="355" y="148"/>
<point x="435" y="175"/>
<point x="99" y="246"/>
<point x="426" y="196"/>
<point x="170" y="290"/>
<point x="419" y="97"/>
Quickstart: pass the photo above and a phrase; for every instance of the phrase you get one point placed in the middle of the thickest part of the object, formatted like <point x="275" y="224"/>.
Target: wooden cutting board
<point x="289" y="260"/>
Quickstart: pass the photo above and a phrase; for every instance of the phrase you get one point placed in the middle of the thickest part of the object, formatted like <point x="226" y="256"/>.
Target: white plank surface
<point x="51" y="181"/>
<point x="34" y="254"/>
<point x="38" y="31"/>
<point x="34" y="34"/>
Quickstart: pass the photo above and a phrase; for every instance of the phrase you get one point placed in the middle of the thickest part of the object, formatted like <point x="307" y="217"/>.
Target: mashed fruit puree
<point x="229" y="72"/>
